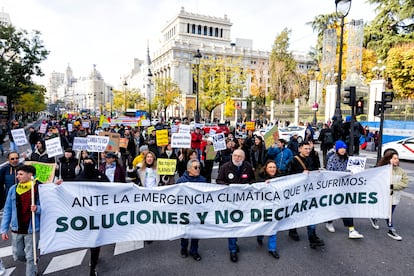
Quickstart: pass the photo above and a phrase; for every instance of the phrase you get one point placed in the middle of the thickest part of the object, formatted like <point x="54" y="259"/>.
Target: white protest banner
<point x="80" y="143"/>
<point x="91" y="214"/>
<point x="181" y="140"/>
<point x="184" y="128"/>
<point x="19" y="136"/>
<point x="174" y="129"/>
<point x="43" y="128"/>
<point x="97" y="143"/>
<point x="356" y="164"/>
<point x="219" y="142"/>
<point x="53" y="147"/>
<point x="86" y="124"/>
<point x="145" y="122"/>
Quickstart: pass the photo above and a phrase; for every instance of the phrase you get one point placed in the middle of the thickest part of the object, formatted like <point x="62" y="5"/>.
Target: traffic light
<point x="387" y="97"/>
<point x="377" y="108"/>
<point x="349" y="95"/>
<point x="360" y="106"/>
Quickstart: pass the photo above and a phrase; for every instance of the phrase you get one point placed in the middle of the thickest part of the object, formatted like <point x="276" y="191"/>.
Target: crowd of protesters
<point x="245" y="160"/>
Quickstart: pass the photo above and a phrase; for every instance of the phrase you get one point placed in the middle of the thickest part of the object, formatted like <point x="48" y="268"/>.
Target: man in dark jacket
<point x="235" y="171"/>
<point x="302" y="163"/>
<point x="192" y="174"/>
<point x="8" y="175"/>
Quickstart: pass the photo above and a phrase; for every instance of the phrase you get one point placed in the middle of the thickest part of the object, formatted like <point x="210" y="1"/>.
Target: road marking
<point x="9" y="271"/>
<point x="65" y="261"/>
<point x="123" y="247"/>
<point x="6" y="251"/>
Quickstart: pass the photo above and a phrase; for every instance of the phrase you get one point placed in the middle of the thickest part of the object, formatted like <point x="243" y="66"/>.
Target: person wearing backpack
<point x="326" y="137"/>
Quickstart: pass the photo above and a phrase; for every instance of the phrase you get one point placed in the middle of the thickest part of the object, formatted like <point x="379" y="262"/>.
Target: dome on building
<point x="95" y="74"/>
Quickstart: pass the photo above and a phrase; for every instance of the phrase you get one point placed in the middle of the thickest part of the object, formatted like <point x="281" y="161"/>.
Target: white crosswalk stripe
<point x="124" y="247"/>
<point x="65" y="261"/>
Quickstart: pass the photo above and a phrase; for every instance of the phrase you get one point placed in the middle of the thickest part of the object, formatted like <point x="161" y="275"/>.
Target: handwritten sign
<point x="250" y="126"/>
<point x="43" y="128"/>
<point x="86" y="124"/>
<point x="184" y="128"/>
<point x="219" y="141"/>
<point x="97" y="143"/>
<point x="162" y="137"/>
<point x="123" y="143"/>
<point x="53" y="147"/>
<point x="19" y="136"/>
<point x="114" y="140"/>
<point x="181" y="140"/>
<point x="271" y="136"/>
<point x="45" y="172"/>
<point x="166" y="166"/>
<point x="80" y="143"/>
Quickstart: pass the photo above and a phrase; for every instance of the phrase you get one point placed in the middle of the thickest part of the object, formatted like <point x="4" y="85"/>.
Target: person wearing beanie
<point x="138" y="159"/>
<point x="338" y="162"/>
<point x="68" y="165"/>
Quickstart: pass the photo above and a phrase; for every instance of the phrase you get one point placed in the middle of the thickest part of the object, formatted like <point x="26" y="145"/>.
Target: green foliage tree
<point x="285" y="83"/>
<point x="32" y="102"/>
<point x="393" y="24"/>
<point x="167" y="93"/>
<point x="21" y="53"/>
<point x="133" y="99"/>
<point x="400" y="68"/>
<point x="221" y="78"/>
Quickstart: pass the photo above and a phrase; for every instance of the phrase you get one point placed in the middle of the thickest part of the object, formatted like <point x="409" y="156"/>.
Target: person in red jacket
<point x="196" y="138"/>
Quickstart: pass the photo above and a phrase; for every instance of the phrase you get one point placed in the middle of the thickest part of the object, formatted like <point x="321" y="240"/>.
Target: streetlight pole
<point x="125" y="96"/>
<point x="149" y="94"/>
<point x="342" y="10"/>
<point x="198" y="57"/>
<point x="111" y="100"/>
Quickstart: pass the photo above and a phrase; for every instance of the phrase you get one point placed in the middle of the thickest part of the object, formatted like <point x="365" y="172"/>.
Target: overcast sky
<point x="111" y="33"/>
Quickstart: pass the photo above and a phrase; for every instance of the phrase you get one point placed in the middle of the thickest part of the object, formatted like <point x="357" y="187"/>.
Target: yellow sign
<point x="123" y="143"/>
<point x="150" y="129"/>
<point x="162" y="137"/>
<point x="250" y="126"/>
<point x="166" y="166"/>
<point x="45" y="172"/>
<point x="271" y="136"/>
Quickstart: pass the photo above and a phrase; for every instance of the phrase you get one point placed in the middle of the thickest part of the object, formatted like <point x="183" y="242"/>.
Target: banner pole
<point x="33" y="222"/>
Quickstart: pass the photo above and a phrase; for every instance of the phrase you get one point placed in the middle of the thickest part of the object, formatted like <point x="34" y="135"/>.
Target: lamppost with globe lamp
<point x="342" y="10"/>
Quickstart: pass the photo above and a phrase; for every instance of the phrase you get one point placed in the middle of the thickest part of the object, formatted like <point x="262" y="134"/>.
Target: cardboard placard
<point x="114" y="140"/>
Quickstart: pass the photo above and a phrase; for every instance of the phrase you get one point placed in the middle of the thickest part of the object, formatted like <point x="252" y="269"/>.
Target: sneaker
<point x="374" y="223"/>
<point x="354" y="234"/>
<point x="2" y="268"/>
<point x="393" y="235"/>
<point x="330" y="227"/>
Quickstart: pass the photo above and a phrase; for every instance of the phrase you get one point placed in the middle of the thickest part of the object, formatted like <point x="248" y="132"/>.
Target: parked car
<point x="216" y="128"/>
<point x="287" y="132"/>
<point x="404" y="148"/>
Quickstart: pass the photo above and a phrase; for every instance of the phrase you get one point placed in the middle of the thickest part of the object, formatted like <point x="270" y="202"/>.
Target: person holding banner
<point x="236" y="171"/>
<point x="112" y="168"/>
<point x="23" y="200"/>
<point x="192" y="174"/>
<point x="399" y="181"/>
<point x="90" y="173"/>
<point x="338" y="162"/>
<point x="269" y="171"/>
<point x="68" y="166"/>
<point x="168" y="153"/>
<point x="258" y="155"/>
<point x="302" y="163"/>
<point x="281" y="154"/>
<point x="147" y="174"/>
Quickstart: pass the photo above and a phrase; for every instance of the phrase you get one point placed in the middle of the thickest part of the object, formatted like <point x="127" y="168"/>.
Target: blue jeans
<point x="271" y="242"/>
<point x="193" y="245"/>
<point x="232" y="242"/>
<point x="14" y="147"/>
<point x="311" y="230"/>
<point x="22" y="247"/>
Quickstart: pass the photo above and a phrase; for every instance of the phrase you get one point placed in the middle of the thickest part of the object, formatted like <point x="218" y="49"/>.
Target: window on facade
<point x="216" y="32"/>
<point x="210" y="32"/>
<point x="199" y="30"/>
<point x="205" y="30"/>
<point x="193" y="29"/>
<point x="188" y="28"/>
<point x="221" y="32"/>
